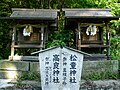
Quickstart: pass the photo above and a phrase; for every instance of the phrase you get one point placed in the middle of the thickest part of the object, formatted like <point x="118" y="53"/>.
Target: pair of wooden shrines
<point x="36" y="36"/>
<point x="33" y="27"/>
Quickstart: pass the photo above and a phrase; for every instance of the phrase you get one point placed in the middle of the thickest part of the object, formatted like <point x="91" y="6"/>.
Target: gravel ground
<point x="85" y="85"/>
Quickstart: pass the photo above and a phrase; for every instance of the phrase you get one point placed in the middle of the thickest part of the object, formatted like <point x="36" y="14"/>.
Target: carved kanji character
<point x="56" y="65"/>
<point x="55" y="57"/>
<point x="56" y="72"/>
<point x="73" y="57"/>
<point x="72" y="79"/>
<point x="72" y="72"/>
<point x="73" y="65"/>
<point x="56" y="80"/>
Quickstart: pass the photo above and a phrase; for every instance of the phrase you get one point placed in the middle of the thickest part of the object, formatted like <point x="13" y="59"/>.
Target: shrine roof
<point x="91" y="13"/>
<point x="87" y="12"/>
<point x="34" y="13"/>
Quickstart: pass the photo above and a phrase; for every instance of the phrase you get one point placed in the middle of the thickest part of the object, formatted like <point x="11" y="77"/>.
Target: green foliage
<point x="0" y="58"/>
<point x="4" y="9"/>
<point x="4" y="39"/>
<point x="115" y="28"/>
<point x="101" y="71"/>
<point x="115" y="47"/>
<point x="29" y="76"/>
<point x="79" y="3"/>
<point x="102" y="75"/>
<point x="55" y="43"/>
<point x="60" y="37"/>
<point x="4" y="30"/>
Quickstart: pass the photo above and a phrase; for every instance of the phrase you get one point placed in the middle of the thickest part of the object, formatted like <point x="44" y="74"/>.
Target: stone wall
<point x="100" y="69"/>
<point x="14" y="69"/>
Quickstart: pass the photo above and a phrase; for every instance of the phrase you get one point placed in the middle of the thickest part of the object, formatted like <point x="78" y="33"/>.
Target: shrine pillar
<point x="108" y="41"/>
<point x="79" y="37"/>
<point x="13" y="42"/>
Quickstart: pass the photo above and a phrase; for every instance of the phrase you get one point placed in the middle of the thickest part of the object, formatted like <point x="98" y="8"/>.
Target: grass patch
<point x="29" y="76"/>
<point x="101" y="71"/>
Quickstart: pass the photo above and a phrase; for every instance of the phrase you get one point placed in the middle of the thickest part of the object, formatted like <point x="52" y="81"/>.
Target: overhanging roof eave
<point x="27" y="18"/>
<point x="94" y="17"/>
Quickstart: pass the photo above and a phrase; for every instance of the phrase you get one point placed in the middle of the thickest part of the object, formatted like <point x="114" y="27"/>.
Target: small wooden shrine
<point x="31" y="29"/>
<point x="88" y="27"/>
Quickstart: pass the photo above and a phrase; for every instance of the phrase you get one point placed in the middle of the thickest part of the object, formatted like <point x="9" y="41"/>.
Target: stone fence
<point x="14" y="69"/>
